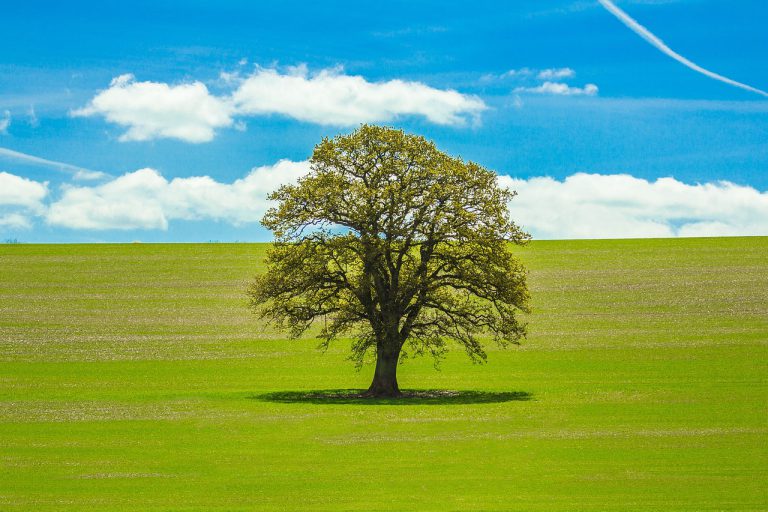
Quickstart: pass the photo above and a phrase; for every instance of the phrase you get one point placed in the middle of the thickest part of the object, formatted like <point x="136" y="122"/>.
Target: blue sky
<point x="217" y="89"/>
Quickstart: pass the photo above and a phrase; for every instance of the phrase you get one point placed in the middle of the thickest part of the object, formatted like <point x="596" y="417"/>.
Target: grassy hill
<point x="132" y="377"/>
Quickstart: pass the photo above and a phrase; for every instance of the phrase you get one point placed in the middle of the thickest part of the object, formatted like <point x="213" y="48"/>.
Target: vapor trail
<point x="659" y="44"/>
<point x="79" y="172"/>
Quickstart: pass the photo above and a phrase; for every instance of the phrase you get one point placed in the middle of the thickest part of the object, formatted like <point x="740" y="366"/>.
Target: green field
<point x="132" y="377"/>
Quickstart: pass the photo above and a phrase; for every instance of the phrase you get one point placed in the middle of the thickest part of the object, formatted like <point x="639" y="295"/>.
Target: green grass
<point x="132" y="377"/>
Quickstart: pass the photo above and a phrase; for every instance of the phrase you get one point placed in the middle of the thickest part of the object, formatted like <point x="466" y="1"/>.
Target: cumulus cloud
<point x="333" y="98"/>
<point x="20" y="200"/>
<point x="22" y="192"/>
<point x="15" y="221"/>
<point x="622" y="206"/>
<point x="189" y="112"/>
<point x="551" y="81"/>
<point x="144" y="199"/>
<point x="152" y="110"/>
<point x="560" y="89"/>
<point x="556" y="74"/>
<point x="130" y="201"/>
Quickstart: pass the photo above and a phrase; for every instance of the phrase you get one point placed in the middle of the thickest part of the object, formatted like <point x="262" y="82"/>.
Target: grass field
<point x="132" y="377"/>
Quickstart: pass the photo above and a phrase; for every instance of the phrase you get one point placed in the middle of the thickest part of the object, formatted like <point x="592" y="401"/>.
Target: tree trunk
<point x="385" y="377"/>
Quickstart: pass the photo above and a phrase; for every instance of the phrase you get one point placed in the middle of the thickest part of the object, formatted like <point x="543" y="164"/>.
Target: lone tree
<point x="399" y="246"/>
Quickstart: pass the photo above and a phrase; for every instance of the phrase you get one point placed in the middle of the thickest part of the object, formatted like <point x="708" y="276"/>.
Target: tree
<point x="398" y="245"/>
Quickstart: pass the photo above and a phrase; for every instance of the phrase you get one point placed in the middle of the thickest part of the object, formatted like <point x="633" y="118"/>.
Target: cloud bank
<point x="580" y="206"/>
<point x="622" y="206"/>
<point x="191" y="113"/>
<point x="643" y="32"/>
<point x="144" y="199"/>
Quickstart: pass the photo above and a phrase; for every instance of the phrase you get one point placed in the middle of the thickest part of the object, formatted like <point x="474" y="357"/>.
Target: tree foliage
<point x="398" y="245"/>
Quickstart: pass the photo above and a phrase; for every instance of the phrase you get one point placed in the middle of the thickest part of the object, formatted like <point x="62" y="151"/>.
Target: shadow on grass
<point x="409" y="397"/>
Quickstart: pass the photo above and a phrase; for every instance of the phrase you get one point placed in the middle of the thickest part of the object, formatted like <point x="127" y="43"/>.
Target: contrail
<point x="659" y="44"/>
<point x="79" y="172"/>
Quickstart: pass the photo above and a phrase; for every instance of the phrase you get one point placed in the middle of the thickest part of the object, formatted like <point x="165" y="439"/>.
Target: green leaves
<point x="394" y="243"/>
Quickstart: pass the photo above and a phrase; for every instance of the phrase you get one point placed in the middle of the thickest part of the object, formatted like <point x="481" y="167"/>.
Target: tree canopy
<point x="397" y="245"/>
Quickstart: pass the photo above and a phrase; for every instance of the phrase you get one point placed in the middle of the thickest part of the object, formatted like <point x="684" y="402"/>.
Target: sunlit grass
<point x="133" y="377"/>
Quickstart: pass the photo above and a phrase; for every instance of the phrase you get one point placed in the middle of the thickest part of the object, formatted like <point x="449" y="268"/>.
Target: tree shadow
<point x="409" y="397"/>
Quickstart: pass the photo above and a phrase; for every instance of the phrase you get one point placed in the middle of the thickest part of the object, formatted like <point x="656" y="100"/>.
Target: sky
<point x="162" y="121"/>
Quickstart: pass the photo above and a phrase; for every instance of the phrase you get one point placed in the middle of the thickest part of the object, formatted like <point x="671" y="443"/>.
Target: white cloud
<point x="128" y="202"/>
<point x="522" y="72"/>
<point x="525" y="73"/>
<point x="22" y="192"/>
<point x="152" y="110"/>
<point x="581" y="206"/>
<point x="20" y="200"/>
<point x="556" y="74"/>
<point x="15" y="221"/>
<point x="86" y="175"/>
<point x="560" y="89"/>
<point x="5" y="122"/>
<point x="146" y="200"/>
<point x="189" y="112"/>
<point x="622" y="206"/>
<point x="333" y="98"/>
